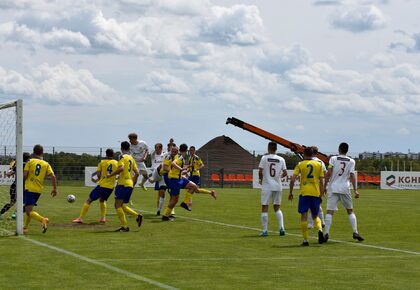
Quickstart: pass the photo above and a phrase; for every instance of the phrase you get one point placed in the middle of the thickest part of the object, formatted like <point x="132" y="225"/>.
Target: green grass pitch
<point x="216" y="246"/>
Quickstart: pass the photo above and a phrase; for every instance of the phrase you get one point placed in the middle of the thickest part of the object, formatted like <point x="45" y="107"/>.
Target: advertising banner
<point x="400" y="180"/>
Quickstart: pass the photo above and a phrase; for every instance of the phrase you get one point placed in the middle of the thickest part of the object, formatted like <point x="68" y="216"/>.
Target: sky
<point x="316" y="72"/>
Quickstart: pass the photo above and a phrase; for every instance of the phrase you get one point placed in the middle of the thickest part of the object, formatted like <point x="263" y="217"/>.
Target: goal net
<point x="11" y="169"/>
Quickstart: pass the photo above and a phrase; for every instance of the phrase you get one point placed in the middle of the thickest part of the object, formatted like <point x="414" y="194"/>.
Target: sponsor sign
<point x="400" y="180"/>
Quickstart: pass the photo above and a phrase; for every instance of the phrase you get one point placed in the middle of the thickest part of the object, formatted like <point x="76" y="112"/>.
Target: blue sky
<point x="314" y="72"/>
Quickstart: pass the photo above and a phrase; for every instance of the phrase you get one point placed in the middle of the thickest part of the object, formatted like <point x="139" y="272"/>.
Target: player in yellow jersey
<point x="311" y="191"/>
<point x="195" y="164"/>
<point x="128" y="175"/>
<point x="176" y="180"/>
<point x="104" y="188"/>
<point x="34" y="174"/>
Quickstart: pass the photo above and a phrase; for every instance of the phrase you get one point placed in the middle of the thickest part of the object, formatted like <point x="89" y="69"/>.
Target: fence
<point x="232" y="169"/>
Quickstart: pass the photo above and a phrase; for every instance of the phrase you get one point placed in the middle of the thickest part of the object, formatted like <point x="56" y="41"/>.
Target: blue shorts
<point x="123" y="192"/>
<point x="195" y="179"/>
<point x="309" y="202"/>
<point x="30" y="198"/>
<point x="175" y="185"/>
<point x="159" y="187"/>
<point x="100" y="192"/>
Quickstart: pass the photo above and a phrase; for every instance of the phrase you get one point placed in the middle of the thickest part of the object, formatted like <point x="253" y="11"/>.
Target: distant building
<point x="378" y="155"/>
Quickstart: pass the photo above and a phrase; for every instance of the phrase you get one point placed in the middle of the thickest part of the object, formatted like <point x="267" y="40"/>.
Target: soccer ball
<point x="71" y="198"/>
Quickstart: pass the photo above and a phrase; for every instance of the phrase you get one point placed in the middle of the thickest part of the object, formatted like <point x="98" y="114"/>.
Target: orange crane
<point x="294" y="147"/>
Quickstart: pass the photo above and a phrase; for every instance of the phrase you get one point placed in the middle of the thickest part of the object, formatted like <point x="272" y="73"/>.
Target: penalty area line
<point x="101" y="264"/>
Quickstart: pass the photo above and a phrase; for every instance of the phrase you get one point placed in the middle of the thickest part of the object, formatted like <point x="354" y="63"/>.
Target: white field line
<point x="296" y="235"/>
<point x="101" y="264"/>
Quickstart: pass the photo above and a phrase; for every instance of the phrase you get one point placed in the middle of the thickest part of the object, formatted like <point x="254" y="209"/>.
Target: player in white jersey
<point x="139" y="151"/>
<point x="341" y="173"/>
<point x="160" y="185"/>
<point x="320" y="213"/>
<point x="271" y="169"/>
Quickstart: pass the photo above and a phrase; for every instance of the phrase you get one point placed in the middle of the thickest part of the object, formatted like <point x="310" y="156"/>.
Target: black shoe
<point x="158" y="213"/>
<point x="123" y="229"/>
<point x="358" y="237"/>
<point x="320" y="237"/>
<point x="305" y="244"/>
<point x="172" y="216"/>
<point x="139" y="220"/>
<point x="167" y="218"/>
<point x="185" y="206"/>
<point x="326" y="237"/>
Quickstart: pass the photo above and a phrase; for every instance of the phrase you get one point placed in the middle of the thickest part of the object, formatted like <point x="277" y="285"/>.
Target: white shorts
<point x="142" y="167"/>
<point x="158" y="178"/>
<point x="274" y="195"/>
<point x="334" y="198"/>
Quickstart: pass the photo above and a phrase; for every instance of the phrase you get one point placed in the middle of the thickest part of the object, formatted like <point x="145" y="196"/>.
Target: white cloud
<point x="278" y="60"/>
<point x="383" y="60"/>
<point x="403" y="131"/>
<point x="410" y="43"/>
<point x="358" y="18"/>
<point x="240" y="25"/>
<point x="163" y="82"/>
<point x="58" y="84"/>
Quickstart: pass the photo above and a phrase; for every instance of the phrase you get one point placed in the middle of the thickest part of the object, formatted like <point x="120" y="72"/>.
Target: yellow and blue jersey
<point x="126" y="176"/>
<point x="310" y="172"/>
<point x="37" y="170"/>
<point x="107" y="166"/>
<point x="195" y="163"/>
<point x="175" y="172"/>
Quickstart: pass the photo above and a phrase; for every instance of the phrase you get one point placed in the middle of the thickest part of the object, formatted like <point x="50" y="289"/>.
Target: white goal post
<point x="11" y="135"/>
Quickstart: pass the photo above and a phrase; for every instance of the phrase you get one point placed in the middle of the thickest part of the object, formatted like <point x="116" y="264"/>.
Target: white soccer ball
<point x="71" y="198"/>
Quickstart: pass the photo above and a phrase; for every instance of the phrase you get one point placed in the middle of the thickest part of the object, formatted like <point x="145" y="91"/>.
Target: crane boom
<point x="294" y="147"/>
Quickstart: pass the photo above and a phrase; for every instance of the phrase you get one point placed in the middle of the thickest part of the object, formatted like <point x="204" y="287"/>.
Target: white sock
<point x="264" y="221"/>
<point x="353" y="222"/>
<point x="279" y="216"/>
<point x="328" y="223"/>
<point x="161" y="201"/>
<point x="321" y="215"/>
<point x="310" y="220"/>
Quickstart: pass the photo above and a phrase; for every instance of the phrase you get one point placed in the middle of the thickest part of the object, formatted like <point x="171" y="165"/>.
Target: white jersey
<point x="342" y="166"/>
<point x="272" y="166"/>
<point x="157" y="159"/>
<point x="138" y="151"/>
<point x="324" y="168"/>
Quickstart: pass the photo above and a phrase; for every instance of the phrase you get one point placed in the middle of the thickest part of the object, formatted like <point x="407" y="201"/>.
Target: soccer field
<point x="216" y="246"/>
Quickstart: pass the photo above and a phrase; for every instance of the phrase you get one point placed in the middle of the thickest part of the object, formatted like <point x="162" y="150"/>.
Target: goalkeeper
<point x="12" y="191"/>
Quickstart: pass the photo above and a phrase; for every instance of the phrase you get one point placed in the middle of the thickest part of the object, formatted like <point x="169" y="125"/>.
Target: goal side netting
<point x="11" y="169"/>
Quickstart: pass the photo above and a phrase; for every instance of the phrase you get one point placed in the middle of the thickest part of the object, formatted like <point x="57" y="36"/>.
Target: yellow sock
<point x="129" y="210"/>
<point x="304" y="227"/>
<point x="27" y="221"/>
<point x="188" y="197"/>
<point x="168" y="211"/>
<point x="102" y="206"/>
<point x="84" y="210"/>
<point x="121" y="216"/>
<point x="202" y="190"/>
<point x="36" y="216"/>
<point x="318" y="224"/>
